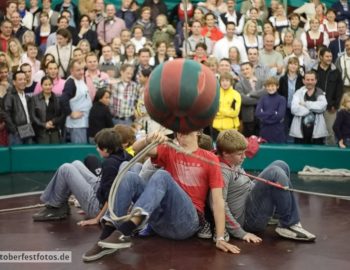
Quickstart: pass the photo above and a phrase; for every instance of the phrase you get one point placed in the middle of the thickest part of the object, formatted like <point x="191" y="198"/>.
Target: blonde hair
<point x="230" y="141"/>
<point x="344" y="99"/>
<point x="249" y="23"/>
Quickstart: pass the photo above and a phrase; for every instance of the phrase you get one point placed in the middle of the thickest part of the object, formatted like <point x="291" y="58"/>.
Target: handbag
<point x="25" y="131"/>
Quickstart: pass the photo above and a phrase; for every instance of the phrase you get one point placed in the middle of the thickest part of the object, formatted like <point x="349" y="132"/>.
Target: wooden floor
<point x="329" y="219"/>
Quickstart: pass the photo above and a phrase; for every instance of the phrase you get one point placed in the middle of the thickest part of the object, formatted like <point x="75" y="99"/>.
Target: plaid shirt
<point x="124" y="98"/>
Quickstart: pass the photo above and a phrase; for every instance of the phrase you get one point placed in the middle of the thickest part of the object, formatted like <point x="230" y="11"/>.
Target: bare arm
<point x="150" y="138"/>
<point x="219" y="217"/>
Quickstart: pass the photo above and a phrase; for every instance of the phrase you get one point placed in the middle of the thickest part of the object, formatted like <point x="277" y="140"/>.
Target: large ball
<point x="182" y="95"/>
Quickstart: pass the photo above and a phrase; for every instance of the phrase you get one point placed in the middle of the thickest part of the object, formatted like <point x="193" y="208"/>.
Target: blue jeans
<point x="14" y="139"/>
<point x="73" y="178"/>
<point x="168" y="208"/>
<point x="78" y="135"/>
<point x="265" y="200"/>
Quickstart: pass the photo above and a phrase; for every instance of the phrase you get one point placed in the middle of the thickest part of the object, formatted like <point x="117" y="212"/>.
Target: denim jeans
<point x="168" y="208"/>
<point x="14" y="139"/>
<point x="78" y="135"/>
<point x="265" y="200"/>
<point x="73" y="178"/>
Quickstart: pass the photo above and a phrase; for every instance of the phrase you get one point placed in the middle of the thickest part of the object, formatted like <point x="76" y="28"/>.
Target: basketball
<point x="182" y="95"/>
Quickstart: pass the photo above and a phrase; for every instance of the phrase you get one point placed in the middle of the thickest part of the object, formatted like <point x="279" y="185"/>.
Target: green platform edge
<point x="47" y="158"/>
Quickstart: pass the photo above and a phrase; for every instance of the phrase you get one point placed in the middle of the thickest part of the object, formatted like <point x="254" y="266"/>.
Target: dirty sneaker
<point x="116" y="240"/>
<point x="97" y="252"/>
<point x="296" y="232"/>
<point x="50" y="213"/>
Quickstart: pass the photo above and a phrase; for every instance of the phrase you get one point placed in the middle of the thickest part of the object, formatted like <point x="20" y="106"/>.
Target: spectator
<point x="343" y="65"/>
<point x="308" y="105"/>
<point x="160" y="56"/>
<point x="68" y="5"/>
<point x="305" y="62"/>
<point x="108" y="63"/>
<point x="288" y="84"/>
<point x="85" y="32"/>
<point x="124" y="97"/>
<point x="253" y="15"/>
<point x="330" y="26"/>
<point x="109" y="27"/>
<point x="195" y="38"/>
<point x="342" y="8"/>
<point x="127" y="14"/>
<point x="259" y="5"/>
<point x="31" y="58"/>
<point x="229" y="40"/>
<point x="200" y="53"/>
<point x="84" y="46"/>
<point x="294" y="22"/>
<point x="314" y="38"/>
<point x="130" y="55"/>
<point x="270" y="57"/>
<point x="14" y="54"/>
<point x="250" y="36"/>
<point x="269" y="29"/>
<point x="5" y="34"/>
<point x="251" y="89"/>
<point x="260" y="71"/>
<point x="116" y="49"/>
<point x="337" y="45"/>
<point x="63" y="51"/>
<point x="138" y="38"/>
<point x="210" y="30"/>
<point x="51" y="70"/>
<point x="330" y="81"/>
<point x="46" y="114"/>
<point x="341" y="125"/>
<point x="5" y="85"/>
<point x="17" y="28"/>
<point x="11" y="6"/>
<point x="235" y="59"/>
<point x="229" y="106"/>
<point x="286" y="48"/>
<point x="145" y="21"/>
<point x="93" y="77"/>
<point x="279" y="20"/>
<point x="31" y="84"/>
<point x="231" y="16"/>
<point x="157" y="7"/>
<point x="309" y="9"/>
<point x="17" y="107"/>
<point x="53" y="15"/>
<point x="41" y="73"/>
<point x="164" y="32"/>
<point x="271" y="110"/>
<point x="27" y="17"/>
<point x="76" y="104"/>
<point x="43" y="31"/>
<point x="144" y="63"/>
<point x="100" y="116"/>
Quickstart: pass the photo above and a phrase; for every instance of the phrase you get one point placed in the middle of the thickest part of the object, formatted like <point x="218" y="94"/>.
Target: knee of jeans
<point x="161" y="176"/>
<point x="283" y="165"/>
<point x="279" y="175"/>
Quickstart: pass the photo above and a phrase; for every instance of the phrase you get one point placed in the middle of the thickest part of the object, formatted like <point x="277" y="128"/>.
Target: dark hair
<point x="146" y="72"/>
<point x="85" y="16"/>
<point x="25" y="65"/>
<point x="43" y="61"/>
<point x="64" y="33"/>
<point x="145" y="50"/>
<point x="324" y="50"/>
<point x="201" y="45"/>
<point x="247" y="63"/>
<point x="45" y="78"/>
<point x="14" y="75"/>
<point x="310" y="72"/>
<point x="109" y="140"/>
<point x="100" y="93"/>
<point x="230" y="23"/>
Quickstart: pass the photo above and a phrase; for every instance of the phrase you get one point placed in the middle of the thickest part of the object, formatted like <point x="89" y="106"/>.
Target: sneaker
<point x="52" y="213"/>
<point x="145" y="231"/>
<point x="116" y="240"/>
<point x="226" y="236"/>
<point x="272" y="221"/>
<point x="205" y="231"/>
<point x="296" y="232"/>
<point x="97" y="252"/>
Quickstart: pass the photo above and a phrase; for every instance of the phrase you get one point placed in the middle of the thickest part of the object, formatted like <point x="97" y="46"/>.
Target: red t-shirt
<point x="193" y="175"/>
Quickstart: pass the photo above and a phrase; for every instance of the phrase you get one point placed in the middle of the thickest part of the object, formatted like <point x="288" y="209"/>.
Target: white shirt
<point x="23" y="99"/>
<point x="222" y="47"/>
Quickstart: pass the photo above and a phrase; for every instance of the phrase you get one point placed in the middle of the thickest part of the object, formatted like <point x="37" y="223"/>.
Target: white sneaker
<point x="205" y="231"/>
<point x="296" y="232"/>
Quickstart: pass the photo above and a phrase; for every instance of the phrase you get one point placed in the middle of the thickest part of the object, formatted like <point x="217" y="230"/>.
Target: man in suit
<point x="251" y="89"/>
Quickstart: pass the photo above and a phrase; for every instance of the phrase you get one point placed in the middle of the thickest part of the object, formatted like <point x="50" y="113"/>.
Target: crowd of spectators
<point x="67" y="71"/>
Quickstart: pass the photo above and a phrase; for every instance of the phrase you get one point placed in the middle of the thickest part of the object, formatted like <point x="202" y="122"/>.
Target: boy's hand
<point x="227" y="247"/>
<point x="252" y="238"/>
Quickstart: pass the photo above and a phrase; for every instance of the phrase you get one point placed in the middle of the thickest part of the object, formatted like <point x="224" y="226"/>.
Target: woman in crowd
<point x="85" y="32"/>
<point x="145" y="21"/>
<point x="138" y="39"/>
<point x="330" y="26"/>
<point x="100" y="117"/>
<point x="270" y="30"/>
<point x="31" y="58"/>
<point x="157" y="7"/>
<point x="341" y="125"/>
<point x="286" y="48"/>
<point x="160" y="56"/>
<point x="164" y="31"/>
<point x="314" y="38"/>
<point x="279" y="20"/>
<point x="41" y="73"/>
<point x="43" y="31"/>
<point x="130" y="55"/>
<point x="250" y="36"/>
<point x="235" y="59"/>
<point x="46" y="114"/>
<point x="84" y="46"/>
<point x="14" y="54"/>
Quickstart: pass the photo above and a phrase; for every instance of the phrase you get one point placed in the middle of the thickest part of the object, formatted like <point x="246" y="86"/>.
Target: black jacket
<point x="283" y="88"/>
<point x="99" y="118"/>
<point x="39" y="109"/>
<point x="14" y="111"/>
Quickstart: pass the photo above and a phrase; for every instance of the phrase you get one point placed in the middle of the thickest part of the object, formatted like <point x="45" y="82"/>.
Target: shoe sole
<point x="297" y="239"/>
<point x="114" y="245"/>
<point x="48" y="219"/>
<point x="99" y="255"/>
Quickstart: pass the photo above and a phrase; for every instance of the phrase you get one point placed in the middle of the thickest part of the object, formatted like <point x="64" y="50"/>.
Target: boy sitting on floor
<point x="249" y="205"/>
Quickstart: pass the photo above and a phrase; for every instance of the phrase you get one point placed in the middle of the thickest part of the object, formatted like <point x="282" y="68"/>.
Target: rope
<point x="21" y="208"/>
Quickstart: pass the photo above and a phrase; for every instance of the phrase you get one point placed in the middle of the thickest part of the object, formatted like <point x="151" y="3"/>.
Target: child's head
<point x="108" y="141"/>
<point x="126" y="133"/>
<point x="231" y="145"/>
<point x="293" y="65"/>
<point x="345" y="102"/>
<point x="144" y="75"/>
<point x="294" y="19"/>
<point x="226" y="80"/>
<point x="205" y="142"/>
<point x="271" y="85"/>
